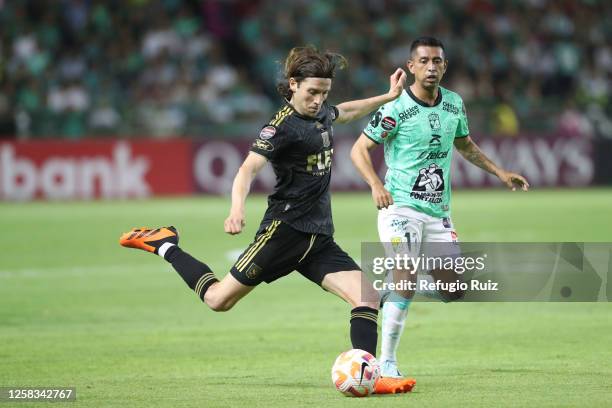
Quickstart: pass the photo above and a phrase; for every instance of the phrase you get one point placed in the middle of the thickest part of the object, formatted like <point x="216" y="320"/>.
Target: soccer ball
<point x="354" y="373"/>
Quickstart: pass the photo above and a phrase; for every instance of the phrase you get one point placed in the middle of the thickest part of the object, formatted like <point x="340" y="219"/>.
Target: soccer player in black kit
<point x="296" y="232"/>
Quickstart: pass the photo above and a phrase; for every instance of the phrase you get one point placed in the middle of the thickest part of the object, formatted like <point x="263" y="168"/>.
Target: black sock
<point x="364" y="333"/>
<point x="197" y="275"/>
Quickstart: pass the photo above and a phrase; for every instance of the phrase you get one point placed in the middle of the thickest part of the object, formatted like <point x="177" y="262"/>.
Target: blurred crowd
<point x="208" y="68"/>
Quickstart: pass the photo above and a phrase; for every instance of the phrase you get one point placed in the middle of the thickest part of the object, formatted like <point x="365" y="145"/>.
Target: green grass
<point x="121" y="326"/>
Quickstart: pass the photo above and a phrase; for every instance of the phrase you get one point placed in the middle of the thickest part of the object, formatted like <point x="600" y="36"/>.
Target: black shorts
<point x="280" y="250"/>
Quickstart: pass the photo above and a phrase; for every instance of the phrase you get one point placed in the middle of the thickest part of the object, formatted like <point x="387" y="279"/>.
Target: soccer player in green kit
<point x="418" y="131"/>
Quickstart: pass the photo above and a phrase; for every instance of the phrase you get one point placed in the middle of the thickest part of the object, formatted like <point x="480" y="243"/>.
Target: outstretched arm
<point x="472" y="153"/>
<point x="240" y="189"/>
<point x="352" y="110"/>
<point x="360" y="155"/>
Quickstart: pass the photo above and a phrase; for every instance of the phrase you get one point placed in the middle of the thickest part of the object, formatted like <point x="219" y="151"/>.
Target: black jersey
<point x="300" y="150"/>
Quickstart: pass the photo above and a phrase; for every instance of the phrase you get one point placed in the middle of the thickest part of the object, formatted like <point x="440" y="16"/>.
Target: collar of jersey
<point x="423" y="103"/>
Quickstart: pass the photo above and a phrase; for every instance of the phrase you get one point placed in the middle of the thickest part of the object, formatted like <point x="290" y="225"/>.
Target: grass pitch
<point x="121" y="326"/>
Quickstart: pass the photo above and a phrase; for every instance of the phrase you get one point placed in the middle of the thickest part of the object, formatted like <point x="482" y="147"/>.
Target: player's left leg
<point x="441" y="241"/>
<point x="218" y="295"/>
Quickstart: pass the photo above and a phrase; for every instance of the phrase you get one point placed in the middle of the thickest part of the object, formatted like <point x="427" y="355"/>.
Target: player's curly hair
<point x="308" y="62"/>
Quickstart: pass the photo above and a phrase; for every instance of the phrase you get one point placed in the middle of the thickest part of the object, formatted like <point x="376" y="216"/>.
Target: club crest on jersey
<point x="267" y="132"/>
<point x="253" y="271"/>
<point x="325" y="138"/>
<point x="396" y="242"/>
<point x="434" y="121"/>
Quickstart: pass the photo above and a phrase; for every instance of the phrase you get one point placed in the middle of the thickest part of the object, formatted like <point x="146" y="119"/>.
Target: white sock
<point x="393" y="321"/>
<point x="164" y="248"/>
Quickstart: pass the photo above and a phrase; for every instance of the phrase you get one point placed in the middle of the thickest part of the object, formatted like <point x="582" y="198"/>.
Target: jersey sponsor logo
<point x="435" y="155"/>
<point x="435" y="141"/>
<point x="319" y="164"/>
<point x="376" y="119"/>
<point x="263" y="145"/>
<point x="388" y="123"/>
<point x="449" y="107"/>
<point x="429" y="185"/>
<point x="267" y="132"/>
<point x="408" y="113"/>
<point x="434" y="121"/>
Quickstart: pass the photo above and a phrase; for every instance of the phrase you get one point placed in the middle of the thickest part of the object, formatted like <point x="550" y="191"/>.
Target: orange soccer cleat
<point x="389" y="385"/>
<point x="148" y="239"/>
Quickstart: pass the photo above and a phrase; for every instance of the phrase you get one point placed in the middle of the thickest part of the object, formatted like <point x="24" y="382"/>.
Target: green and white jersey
<point x="418" y="141"/>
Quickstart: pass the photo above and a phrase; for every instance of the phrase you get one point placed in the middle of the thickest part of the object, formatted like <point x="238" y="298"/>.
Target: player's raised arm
<point x="240" y="189"/>
<point x="472" y="153"/>
<point x="352" y="110"/>
<point x="360" y="155"/>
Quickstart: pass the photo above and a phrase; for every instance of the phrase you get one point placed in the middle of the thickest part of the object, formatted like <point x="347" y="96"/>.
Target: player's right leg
<point x="334" y="270"/>
<point x="218" y="295"/>
<point x="400" y="230"/>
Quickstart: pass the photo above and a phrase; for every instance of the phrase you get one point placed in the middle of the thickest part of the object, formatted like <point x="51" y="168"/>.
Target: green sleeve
<point x="383" y="124"/>
<point x="462" y="126"/>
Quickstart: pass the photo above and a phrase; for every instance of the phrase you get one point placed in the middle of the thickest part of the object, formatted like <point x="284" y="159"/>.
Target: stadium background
<point x="137" y="101"/>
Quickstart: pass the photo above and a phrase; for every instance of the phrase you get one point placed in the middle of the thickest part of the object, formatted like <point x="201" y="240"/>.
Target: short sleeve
<point x="383" y="123"/>
<point x="270" y="142"/>
<point x="333" y="112"/>
<point x="462" y="126"/>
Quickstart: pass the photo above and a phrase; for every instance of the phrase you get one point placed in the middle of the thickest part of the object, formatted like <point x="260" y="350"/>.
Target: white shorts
<point x="402" y="230"/>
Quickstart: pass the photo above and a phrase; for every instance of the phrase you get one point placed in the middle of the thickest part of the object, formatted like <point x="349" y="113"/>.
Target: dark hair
<point x="308" y="62"/>
<point x="426" y="42"/>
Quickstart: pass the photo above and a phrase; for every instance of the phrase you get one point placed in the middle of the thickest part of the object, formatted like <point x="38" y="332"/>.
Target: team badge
<point x="253" y="271"/>
<point x="325" y="137"/>
<point x="396" y="242"/>
<point x="267" y="132"/>
<point x="434" y="121"/>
